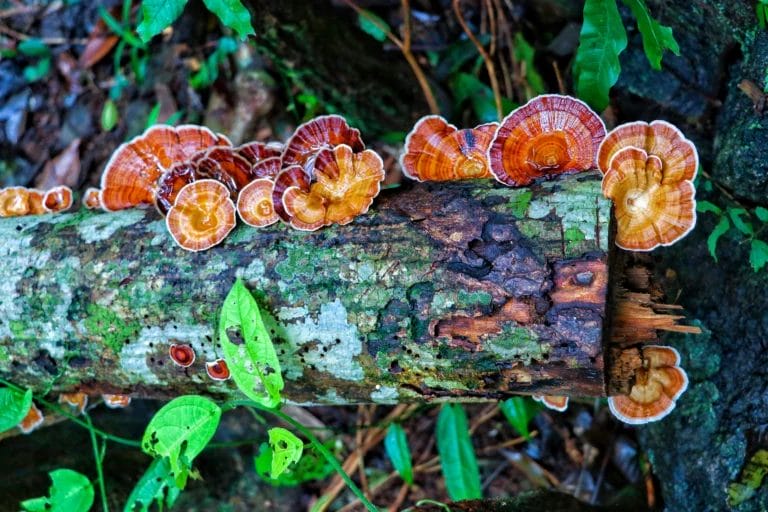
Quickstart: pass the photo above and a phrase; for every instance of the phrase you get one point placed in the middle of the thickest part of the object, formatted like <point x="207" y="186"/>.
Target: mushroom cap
<point x="438" y="151"/>
<point x="346" y="183"/>
<point x="170" y="184"/>
<point x="202" y="216"/>
<point x="32" y="420"/>
<point x="36" y="201"/>
<point x="217" y="370"/>
<point x="660" y="138"/>
<point x="256" y="151"/>
<point x="649" y="210"/>
<point x="556" y="403"/>
<point x="254" y="203"/>
<point x="91" y="198"/>
<point x="316" y="134"/>
<point x="58" y="199"/>
<point x="267" y="168"/>
<point x="223" y="164"/>
<point x="76" y="400"/>
<point x="131" y="174"/>
<point x="116" y="401"/>
<point x="658" y="385"/>
<point x="182" y="354"/>
<point x="293" y="176"/>
<point x="14" y="202"/>
<point x="550" y="135"/>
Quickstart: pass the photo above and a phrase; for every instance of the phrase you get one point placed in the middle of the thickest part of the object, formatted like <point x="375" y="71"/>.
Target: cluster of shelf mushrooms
<point x="324" y="175"/>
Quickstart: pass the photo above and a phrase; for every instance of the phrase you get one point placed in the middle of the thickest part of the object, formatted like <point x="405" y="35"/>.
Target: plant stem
<point x="320" y="447"/>
<point x="97" y="460"/>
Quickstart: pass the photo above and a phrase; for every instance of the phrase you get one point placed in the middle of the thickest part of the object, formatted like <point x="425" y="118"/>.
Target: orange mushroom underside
<point x="202" y="216"/>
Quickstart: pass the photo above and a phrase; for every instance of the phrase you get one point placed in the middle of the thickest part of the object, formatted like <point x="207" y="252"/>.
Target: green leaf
<point x="286" y="449"/>
<point x="247" y="348"/>
<point x="70" y="492"/>
<point x="706" y="206"/>
<point x="761" y="213"/>
<point x="720" y="229"/>
<point x="450" y="60"/>
<point x="744" y="226"/>
<point x="372" y="25"/>
<point x="396" y="445"/>
<point x="154" y="114"/>
<point x="519" y="412"/>
<point x="525" y="53"/>
<point x="758" y="254"/>
<point x="519" y="203"/>
<point x="656" y="37"/>
<point x="33" y="47"/>
<point x="180" y="430"/>
<point x="466" y="86"/>
<point x="156" y="15"/>
<point x="14" y="405"/>
<point x="37" y="71"/>
<point x="596" y="66"/>
<point x="457" y="457"/>
<point x="156" y="485"/>
<point x="751" y="478"/>
<point x="233" y="14"/>
<point x="109" y="116"/>
<point x="312" y="466"/>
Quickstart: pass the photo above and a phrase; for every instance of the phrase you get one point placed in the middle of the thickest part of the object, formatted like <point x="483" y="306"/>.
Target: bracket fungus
<point x="255" y="151"/>
<point x="438" y="151"/>
<point x="118" y="401"/>
<point x="131" y="174"/>
<point x="14" y="202"/>
<point x="293" y="176"/>
<point x="254" y="203"/>
<point x="556" y="403"/>
<point x="32" y="420"/>
<point x="319" y="133"/>
<point x="659" y="138"/>
<point x="344" y="187"/>
<point x="91" y="198"/>
<point x="182" y="354"/>
<point x="77" y="400"/>
<point x="659" y="382"/>
<point x="202" y="216"/>
<point x="550" y="135"/>
<point x="650" y="209"/>
<point x="58" y="199"/>
<point x="217" y="370"/>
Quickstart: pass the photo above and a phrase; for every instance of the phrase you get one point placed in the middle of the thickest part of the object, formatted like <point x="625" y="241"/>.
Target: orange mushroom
<point x="130" y="177"/>
<point x="91" y="198"/>
<point x="255" y="151"/>
<point x="659" y="138"/>
<point x="77" y="400"/>
<point x="548" y="136"/>
<point x="182" y="354"/>
<point x="223" y="164"/>
<point x="116" y="401"/>
<point x="202" y="216"/>
<point x="293" y="176"/>
<point x="58" y="199"/>
<point x="556" y="403"/>
<point x="658" y="384"/>
<point x="254" y="204"/>
<point x="649" y="209"/>
<point x="14" y="202"/>
<point x="32" y="420"/>
<point x="217" y="370"/>
<point x="319" y="133"/>
<point x="170" y="184"/>
<point x="36" y="201"/>
<point x="346" y="183"/>
<point x="438" y="151"/>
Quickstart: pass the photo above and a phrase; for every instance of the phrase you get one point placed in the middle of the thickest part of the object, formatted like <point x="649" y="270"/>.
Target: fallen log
<point x="464" y="291"/>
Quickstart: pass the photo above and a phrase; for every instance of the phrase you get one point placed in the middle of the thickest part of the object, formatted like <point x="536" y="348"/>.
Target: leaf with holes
<point x="155" y="485"/>
<point x="457" y="457"/>
<point x="596" y="66"/>
<point x="656" y="37"/>
<point x="312" y="466"/>
<point x="396" y="445"/>
<point x="70" y="492"/>
<point x="14" y="405"/>
<point x="180" y="430"/>
<point x="286" y="449"/>
<point x="156" y="15"/>
<point x="248" y="349"/>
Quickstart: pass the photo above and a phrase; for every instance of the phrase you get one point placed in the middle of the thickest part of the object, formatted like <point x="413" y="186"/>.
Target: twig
<point x="405" y="48"/>
<point x="489" y="66"/>
<point x="559" y="77"/>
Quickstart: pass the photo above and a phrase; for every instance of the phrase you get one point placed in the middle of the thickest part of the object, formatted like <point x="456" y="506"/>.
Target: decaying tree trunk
<point x="467" y="290"/>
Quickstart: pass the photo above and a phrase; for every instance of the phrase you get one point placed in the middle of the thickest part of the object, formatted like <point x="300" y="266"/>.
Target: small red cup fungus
<point x="77" y="400"/>
<point x="182" y="354"/>
<point x="217" y="370"/>
<point x="58" y="199"/>
<point x="91" y="198"/>
<point x="118" y="401"/>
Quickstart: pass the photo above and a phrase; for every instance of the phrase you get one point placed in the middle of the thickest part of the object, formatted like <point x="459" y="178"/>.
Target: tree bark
<point x="465" y="290"/>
